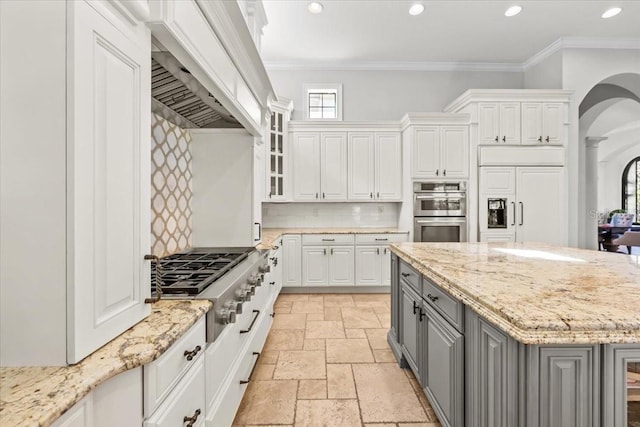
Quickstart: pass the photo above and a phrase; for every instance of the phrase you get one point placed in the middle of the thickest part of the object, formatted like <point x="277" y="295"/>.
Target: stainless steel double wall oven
<point x="440" y="211"/>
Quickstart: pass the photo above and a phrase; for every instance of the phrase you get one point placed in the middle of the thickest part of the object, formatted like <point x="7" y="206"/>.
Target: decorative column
<point x="591" y="191"/>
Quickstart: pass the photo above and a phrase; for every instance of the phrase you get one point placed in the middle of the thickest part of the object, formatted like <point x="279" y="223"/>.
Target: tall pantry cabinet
<point x="75" y="178"/>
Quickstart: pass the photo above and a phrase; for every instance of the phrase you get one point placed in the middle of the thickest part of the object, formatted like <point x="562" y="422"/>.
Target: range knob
<point x="227" y="313"/>
<point x="242" y="294"/>
<point x="264" y="268"/>
<point x="253" y="280"/>
<point x="237" y="306"/>
<point x="247" y="292"/>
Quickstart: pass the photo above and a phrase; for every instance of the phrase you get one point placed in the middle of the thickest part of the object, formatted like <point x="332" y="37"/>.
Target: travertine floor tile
<point x="289" y="321"/>
<point x="360" y="318"/>
<point x="315" y="316"/>
<point x="377" y="338"/>
<point x="385" y="395"/>
<point x="349" y="351"/>
<point x="268" y="402"/>
<point x="264" y="372"/>
<point x="312" y="389"/>
<point x="268" y="357"/>
<point x="292" y="298"/>
<point x="332" y="313"/>
<point x="372" y="300"/>
<point x="384" y="356"/>
<point x="340" y="384"/>
<point x="324" y="329"/>
<point x="308" y="307"/>
<point x="325" y="413"/>
<point x="381" y="425"/>
<point x="284" y="339"/>
<point x="299" y="365"/>
<point x="338" y="301"/>
<point x="419" y="425"/>
<point x="385" y="320"/>
<point x="355" y="333"/>
<point x="282" y="308"/>
<point x="316" y="298"/>
<point x="315" y="344"/>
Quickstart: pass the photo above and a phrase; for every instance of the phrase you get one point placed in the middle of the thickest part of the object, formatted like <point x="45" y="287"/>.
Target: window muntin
<point x="323" y="101"/>
<point x="631" y="188"/>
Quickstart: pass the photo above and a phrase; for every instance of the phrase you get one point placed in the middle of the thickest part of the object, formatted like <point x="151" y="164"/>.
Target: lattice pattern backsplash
<point x="170" y="187"/>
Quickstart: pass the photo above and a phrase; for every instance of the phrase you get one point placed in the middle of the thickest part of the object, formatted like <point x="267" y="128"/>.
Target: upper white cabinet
<point x="542" y="123"/>
<point x="499" y="122"/>
<point x="319" y="166"/>
<point x="515" y="117"/>
<point x="88" y="168"/>
<point x="440" y="152"/>
<point x="277" y="148"/>
<point x="375" y="166"/>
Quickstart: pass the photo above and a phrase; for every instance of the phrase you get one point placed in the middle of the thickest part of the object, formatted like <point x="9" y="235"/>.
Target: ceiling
<point x="351" y="32"/>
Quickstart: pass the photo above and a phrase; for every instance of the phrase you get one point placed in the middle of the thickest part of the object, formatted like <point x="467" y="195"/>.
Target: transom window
<point x="631" y="188"/>
<point x="323" y="101"/>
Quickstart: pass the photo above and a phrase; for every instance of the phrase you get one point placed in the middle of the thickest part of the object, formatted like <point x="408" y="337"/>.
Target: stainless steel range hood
<point x="180" y="98"/>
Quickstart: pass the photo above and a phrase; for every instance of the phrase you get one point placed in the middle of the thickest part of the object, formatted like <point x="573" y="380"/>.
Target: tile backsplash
<point x="170" y="187"/>
<point x="330" y="214"/>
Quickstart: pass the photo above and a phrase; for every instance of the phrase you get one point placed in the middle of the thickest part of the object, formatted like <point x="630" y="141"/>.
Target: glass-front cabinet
<point x="277" y="150"/>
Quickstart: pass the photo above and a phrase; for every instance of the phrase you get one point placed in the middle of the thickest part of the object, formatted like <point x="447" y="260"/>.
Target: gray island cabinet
<point x="529" y="335"/>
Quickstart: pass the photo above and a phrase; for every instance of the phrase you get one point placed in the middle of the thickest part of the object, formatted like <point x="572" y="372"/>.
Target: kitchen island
<point x="519" y="334"/>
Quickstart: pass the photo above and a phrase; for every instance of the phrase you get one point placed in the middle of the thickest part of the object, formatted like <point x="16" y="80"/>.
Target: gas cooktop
<point x="191" y="271"/>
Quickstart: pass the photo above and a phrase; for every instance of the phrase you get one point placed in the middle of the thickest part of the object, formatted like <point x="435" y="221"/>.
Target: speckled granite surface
<point x="270" y="235"/>
<point x="37" y="396"/>
<point x="538" y="294"/>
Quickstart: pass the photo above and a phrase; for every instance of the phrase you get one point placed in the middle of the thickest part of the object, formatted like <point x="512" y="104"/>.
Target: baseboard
<point x="335" y="290"/>
<point x="395" y="346"/>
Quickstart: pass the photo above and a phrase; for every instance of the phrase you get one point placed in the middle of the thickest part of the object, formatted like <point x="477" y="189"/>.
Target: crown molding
<point x="559" y="44"/>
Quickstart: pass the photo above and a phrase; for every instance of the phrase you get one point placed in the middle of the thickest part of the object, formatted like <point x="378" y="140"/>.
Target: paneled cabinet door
<point x="109" y="212"/>
<point x="410" y="306"/>
<point x="385" y="276"/>
<point x="426" y="151"/>
<point x="315" y="266"/>
<point x="443" y="367"/>
<point x="553" y="123"/>
<point x="341" y="264"/>
<point x="362" y="165"/>
<point x="532" y="123"/>
<point x="488" y="123"/>
<point x="510" y="123"/>
<point x="291" y="262"/>
<point x="454" y="152"/>
<point x="368" y="267"/>
<point x="388" y="166"/>
<point x="333" y="168"/>
<point x="305" y="152"/>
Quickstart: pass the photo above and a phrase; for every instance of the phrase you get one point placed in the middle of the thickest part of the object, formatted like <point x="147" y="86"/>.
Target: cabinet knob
<point x="371" y="195"/>
<point x="504" y="139"/>
<point x="540" y="138"/>
<point x="378" y="195"/>
<point x="432" y="298"/>
<point x="323" y="195"/>
<point x="437" y="172"/>
<point x="444" y="172"/>
<point x="547" y="139"/>
<point x="192" y="419"/>
<point x="415" y="307"/>
<point x="316" y="195"/>
<point x="422" y="314"/>
<point x="272" y="283"/>
<point x="191" y="354"/>
<point x="405" y="274"/>
<point x="496" y="140"/>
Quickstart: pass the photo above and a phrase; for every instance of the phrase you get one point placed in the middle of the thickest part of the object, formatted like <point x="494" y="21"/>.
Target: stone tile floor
<point x="326" y="362"/>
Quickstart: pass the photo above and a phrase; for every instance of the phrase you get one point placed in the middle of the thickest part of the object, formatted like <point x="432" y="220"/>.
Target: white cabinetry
<point x="291" y="260"/>
<point x="513" y="207"/>
<point x="320" y="166"/>
<point x="375" y="162"/>
<point x="373" y="258"/>
<point x="440" y="152"/>
<point x="327" y="260"/>
<point x="542" y="123"/>
<point x="88" y="168"/>
<point x="278" y="151"/>
<point x="499" y="122"/>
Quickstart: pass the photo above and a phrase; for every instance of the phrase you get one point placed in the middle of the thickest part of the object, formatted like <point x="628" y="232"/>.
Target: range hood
<point x="180" y="98"/>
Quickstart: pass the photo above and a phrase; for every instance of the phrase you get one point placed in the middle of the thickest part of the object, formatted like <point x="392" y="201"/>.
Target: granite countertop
<point x="538" y="294"/>
<point x="37" y="396"/>
<point x="270" y="235"/>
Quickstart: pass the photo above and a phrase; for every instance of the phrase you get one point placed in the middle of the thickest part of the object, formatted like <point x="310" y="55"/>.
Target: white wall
<point x="546" y="74"/>
<point x="582" y="69"/>
<point x="613" y="157"/>
<point x="388" y="95"/>
<point x="316" y="215"/>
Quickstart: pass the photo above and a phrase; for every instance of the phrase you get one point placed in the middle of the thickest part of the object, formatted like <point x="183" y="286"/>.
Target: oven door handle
<point x="443" y="222"/>
<point x="455" y="196"/>
<point x="248" y="380"/>
<point x="256" y="313"/>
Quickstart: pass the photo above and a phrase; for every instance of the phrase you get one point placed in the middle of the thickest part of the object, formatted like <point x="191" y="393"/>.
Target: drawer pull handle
<point x="422" y="314"/>
<point x="192" y="419"/>
<point x="328" y="240"/>
<point x="405" y="274"/>
<point x="272" y="283"/>
<point x="276" y="247"/>
<point x="432" y="298"/>
<point x="257" y="313"/>
<point x="191" y="354"/>
<point x="415" y="307"/>
<point x="381" y="240"/>
<point x="248" y="380"/>
<point x="385" y="251"/>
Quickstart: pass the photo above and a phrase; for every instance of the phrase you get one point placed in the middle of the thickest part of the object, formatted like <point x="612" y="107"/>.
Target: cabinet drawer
<point x="185" y="400"/>
<point x="161" y="375"/>
<point x="410" y="276"/>
<point x="450" y="308"/>
<point x="327" y="239"/>
<point x="379" y="239"/>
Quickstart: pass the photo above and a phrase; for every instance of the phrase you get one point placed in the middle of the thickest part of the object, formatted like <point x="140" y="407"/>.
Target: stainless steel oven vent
<point x="182" y="99"/>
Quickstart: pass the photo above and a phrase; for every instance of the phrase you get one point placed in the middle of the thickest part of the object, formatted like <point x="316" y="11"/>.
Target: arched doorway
<point x="609" y="130"/>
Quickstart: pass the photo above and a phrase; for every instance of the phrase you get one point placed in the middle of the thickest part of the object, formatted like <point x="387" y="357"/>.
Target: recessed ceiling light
<point x="513" y="11"/>
<point x="609" y="13"/>
<point x="315" y="7"/>
<point x="416" y="9"/>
